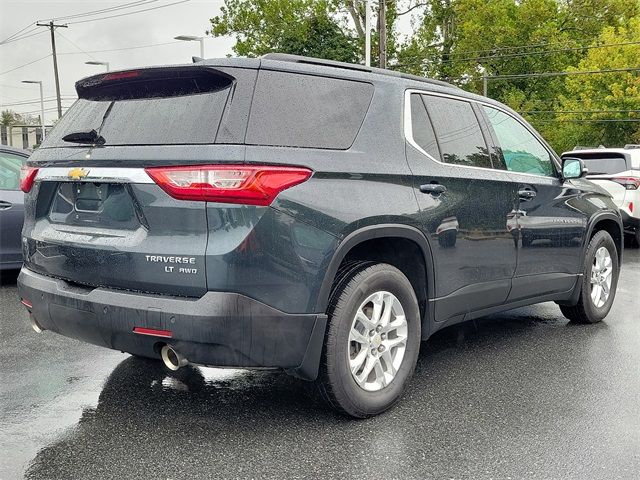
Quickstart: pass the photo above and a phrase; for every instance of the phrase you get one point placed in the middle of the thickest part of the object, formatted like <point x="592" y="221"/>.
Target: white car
<point x="617" y="170"/>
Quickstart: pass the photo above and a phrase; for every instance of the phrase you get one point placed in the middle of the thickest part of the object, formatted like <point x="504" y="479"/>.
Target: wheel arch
<point x="379" y="232"/>
<point x="611" y="223"/>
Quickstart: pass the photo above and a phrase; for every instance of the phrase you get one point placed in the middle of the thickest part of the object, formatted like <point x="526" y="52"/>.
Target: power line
<point x="128" y="13"/>
<point x="605" y="120"/>
<point x="35" y="100"/>
<point x="579" y="111"/>
<point x="29" y="34"/>
<point x="104" y="10"/>
<point x="75" y="45"/>
<point x="562" y="74"/>
<point x="516" y="47"/>
<point x="15" y="34"/>
<point x="542" y="52"/>
<point x="24" y="65"/>
<point x="121" y="49"/>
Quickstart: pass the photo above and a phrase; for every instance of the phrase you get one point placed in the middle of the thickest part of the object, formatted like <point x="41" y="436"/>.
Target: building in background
<point x="22" y="136"/>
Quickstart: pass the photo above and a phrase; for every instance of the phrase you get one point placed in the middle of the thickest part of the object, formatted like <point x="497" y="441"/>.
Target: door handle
<point x="5" y="205"/>
<point x="433" y="188"/>
<point x="526" y="194"/>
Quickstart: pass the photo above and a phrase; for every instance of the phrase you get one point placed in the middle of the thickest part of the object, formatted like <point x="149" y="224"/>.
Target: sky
<point x="151" y="27"/>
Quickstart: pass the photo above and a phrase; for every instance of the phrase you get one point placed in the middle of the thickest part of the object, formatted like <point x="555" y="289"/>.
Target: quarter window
<point x="458" y="132"/>
<point x="520" y="150"/>
<point x="421" y="128"/>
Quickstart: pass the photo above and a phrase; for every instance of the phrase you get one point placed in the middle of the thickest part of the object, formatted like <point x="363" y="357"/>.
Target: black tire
<point x="335" y="383"/>
<point x="585" y="311"/>
<point x="636" y="237"/>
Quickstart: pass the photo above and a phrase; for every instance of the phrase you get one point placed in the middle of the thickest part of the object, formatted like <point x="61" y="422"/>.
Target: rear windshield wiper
<point x="92" y="137"/>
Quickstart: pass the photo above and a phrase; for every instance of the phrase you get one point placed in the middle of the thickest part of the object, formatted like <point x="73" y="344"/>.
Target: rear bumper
<point x="218" y="329"/>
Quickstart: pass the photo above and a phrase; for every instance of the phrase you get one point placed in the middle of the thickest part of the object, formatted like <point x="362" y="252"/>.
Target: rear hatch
<point x="95" y="216"/>
<point x="612" y="171"/>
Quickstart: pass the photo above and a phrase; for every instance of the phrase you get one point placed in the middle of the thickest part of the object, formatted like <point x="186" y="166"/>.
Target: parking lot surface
<point x="522" y="394"/>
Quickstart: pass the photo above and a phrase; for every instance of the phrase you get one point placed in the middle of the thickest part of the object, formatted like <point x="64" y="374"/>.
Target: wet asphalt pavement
<point x="522" y="394"/>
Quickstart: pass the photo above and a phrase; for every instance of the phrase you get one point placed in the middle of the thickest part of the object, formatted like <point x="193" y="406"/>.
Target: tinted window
<point x="458" y="132"/>
<point x="604" y="163"/>
<point x="521" y="151"/>
<point x="10" y="171"/>
<point x="159" y="107"/>
<point x="307" y="111"/>
<point x="422" y="130"/>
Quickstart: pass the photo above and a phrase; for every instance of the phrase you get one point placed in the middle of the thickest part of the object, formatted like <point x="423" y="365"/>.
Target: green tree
<point x="304" y="27"/>
<point x="9" y="118"/>
<point x="602" y="97"/>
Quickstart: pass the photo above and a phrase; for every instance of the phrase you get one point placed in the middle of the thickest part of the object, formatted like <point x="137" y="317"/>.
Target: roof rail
<point x="285" y="57"/>
<point x="632" y="146"/>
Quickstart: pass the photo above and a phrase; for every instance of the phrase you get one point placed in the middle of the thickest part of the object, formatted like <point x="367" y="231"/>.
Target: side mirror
<point x="573" y="168"/>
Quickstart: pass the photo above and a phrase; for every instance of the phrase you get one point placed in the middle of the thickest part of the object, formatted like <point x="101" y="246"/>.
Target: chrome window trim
<point x="408" y="132"/>
<point x="95" y="174"/>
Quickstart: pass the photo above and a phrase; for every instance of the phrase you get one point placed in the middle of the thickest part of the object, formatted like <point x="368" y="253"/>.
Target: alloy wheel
<point x="377" y="341"/>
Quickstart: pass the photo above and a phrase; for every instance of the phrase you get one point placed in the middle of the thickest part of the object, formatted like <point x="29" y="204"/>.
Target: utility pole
<point x="367" y="33"/>
<point x="382" y="29"/>
<point x="53" y="26"/>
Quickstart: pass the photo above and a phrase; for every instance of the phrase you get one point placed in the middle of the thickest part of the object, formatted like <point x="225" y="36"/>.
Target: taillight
<point x="630" y="183"/>
<point x="27" y="177"/>
<point x="631" y="207"/>
<point x="245" y="184"/>
<point x="121" y="75"/>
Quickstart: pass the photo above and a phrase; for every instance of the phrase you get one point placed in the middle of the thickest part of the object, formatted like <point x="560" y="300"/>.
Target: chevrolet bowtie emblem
<point x="77" y="173"/>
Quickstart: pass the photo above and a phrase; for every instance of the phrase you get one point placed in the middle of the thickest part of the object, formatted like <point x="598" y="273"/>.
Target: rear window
<point x="602" y="163"/>
<point x="297" y="110"/>
<point x="148" y="107"/>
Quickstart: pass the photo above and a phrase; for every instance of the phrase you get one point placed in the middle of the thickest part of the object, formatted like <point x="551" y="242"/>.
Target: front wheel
<point x="372" y="341"/>
<point x="599" y="281"/>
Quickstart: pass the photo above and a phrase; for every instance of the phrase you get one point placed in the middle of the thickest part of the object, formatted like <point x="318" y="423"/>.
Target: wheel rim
<point x="601" y="276"/>
<point x="377" y="341"/>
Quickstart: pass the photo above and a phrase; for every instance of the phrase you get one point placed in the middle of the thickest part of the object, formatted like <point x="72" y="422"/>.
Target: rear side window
<point x="421" y="127"/>
<point x="163" y="106"/>
<point x="297" y="110"/>
<point x="458" y="132"/>
<point x="10" y="171"/>
<point x="521" y="150"/>
<point x="602" y="163"/>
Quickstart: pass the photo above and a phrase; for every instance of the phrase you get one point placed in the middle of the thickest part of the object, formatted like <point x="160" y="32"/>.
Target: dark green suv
<point x="293" y="213"/>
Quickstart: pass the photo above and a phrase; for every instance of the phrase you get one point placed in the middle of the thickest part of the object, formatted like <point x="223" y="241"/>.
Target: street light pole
<point x="39" y="82"/>
<point x="193" y="38"/>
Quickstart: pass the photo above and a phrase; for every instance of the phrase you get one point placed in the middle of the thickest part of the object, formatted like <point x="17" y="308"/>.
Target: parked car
<point x="283" y="212"/>
<point x="617" y="170"/>
<point x="11" y="206"/>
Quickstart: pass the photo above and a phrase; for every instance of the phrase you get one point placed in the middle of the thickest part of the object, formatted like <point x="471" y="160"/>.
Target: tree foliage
<point x="9" y="118"/>
<point x="462" y="41"/>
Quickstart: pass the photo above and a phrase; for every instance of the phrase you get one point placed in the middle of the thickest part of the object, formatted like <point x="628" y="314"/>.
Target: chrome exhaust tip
<point x="36" y="328"/>
<point x="172" y="359"/>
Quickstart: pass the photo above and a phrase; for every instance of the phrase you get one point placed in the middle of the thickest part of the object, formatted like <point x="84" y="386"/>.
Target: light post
<point x="193" y="38"/>
<point x="96" y="62"/>
<point x="39" y="82"/>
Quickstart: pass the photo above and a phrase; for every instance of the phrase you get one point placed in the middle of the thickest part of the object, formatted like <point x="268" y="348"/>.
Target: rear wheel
<point x="599" y="281"/>
<point x="372" y="341"/>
